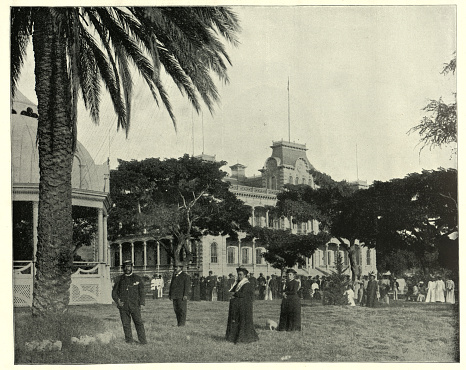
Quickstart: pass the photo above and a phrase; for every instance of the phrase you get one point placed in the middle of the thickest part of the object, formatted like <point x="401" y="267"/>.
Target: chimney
<point x="237" y="171"/>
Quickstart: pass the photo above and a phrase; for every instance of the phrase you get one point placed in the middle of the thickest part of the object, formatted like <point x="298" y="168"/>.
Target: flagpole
<point x="289" y="124"/>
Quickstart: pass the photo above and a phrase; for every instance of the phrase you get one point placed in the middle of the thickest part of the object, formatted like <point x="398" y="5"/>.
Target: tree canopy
<point x="415" y="214"/>
<point x="182" y="198"/>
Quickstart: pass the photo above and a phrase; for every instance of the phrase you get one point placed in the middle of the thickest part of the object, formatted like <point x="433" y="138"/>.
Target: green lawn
<point x="400" y="332"/>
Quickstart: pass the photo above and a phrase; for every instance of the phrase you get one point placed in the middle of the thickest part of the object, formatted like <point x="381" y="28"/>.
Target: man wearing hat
<point x="179" y="292"/>
<point x="129" y="295"/>
<point x="290" y="309"/>
<point x="211" y="282"/>
<point x="371" y="291"/>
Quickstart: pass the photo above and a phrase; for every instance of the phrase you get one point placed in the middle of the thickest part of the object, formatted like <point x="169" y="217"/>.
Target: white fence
<point x="90" y="283"/>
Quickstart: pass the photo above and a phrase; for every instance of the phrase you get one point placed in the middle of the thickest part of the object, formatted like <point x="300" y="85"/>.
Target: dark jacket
<point x="179" y="286"/>
<point x="130" y="290"/>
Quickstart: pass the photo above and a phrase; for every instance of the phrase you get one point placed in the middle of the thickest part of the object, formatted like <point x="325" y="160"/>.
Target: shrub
<point x="336" y="286"/>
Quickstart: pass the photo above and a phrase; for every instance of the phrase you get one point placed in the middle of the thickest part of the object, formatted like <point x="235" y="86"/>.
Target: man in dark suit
<point x="253" y="282"/>
<point x="179" y="293"/>
<point x="211" y="282"/>
<point x="129" y="295"/>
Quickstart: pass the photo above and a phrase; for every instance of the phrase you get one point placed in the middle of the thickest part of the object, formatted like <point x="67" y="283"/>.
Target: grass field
<point x="400" y="332"/>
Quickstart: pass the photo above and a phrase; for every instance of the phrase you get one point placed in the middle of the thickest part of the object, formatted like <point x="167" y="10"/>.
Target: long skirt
<point x="240" y="327"/>
<point x="290" y="314"/>
<point x="196" y="296"/>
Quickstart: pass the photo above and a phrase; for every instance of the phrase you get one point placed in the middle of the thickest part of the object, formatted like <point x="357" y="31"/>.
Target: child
<point x="350" y="295"/>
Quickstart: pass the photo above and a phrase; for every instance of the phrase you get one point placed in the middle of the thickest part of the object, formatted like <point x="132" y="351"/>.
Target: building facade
<point x="288" y="164"/>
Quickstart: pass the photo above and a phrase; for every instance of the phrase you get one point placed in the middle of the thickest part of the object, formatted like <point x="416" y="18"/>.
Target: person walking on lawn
<point x="129" y="295"/>
<point x="179" y="293"/>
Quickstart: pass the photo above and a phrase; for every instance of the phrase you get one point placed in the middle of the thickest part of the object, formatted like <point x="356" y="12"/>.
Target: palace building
<point x="288" y="164"/>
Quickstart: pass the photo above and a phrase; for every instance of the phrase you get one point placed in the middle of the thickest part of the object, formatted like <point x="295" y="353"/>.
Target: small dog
<point x="271" y="325"/>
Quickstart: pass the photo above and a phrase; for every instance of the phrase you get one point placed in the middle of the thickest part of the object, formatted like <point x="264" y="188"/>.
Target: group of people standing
<point x="129" y="294"/>
<point x="437" y="290"/>
<point x="240" y="326"/>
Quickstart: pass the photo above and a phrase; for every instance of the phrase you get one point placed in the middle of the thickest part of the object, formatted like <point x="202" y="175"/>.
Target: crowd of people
<point x="241" y="291"/>
<point x="436" y="290"/>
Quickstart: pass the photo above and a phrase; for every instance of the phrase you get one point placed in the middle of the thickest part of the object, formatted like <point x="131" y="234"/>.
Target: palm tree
<point x="75" y="50"/>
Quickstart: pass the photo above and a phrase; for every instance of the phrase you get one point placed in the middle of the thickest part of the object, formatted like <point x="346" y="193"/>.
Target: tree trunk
<point x="55" y="138"/>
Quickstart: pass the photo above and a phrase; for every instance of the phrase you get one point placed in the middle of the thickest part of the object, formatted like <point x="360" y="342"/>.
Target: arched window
<point x="290" y="180"/>
<point x="368" y="256"/>
<point x="259" y="258"/>
<point x="274" y="183"/>
<point x="245" y="257"/>
<point x="231" y="255"/>
<point x="296" y="182"/>
<point x="213" y="252"/>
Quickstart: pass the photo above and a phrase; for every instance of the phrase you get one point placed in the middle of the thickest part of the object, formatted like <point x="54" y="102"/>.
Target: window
<point x="245" y="256"/>
<point x="345" y="258"/>
<point x="231" y="255"/>
<point x="290" y="180"/>
<point x="368" y="257"/>
<point x="257" y="219"/>
<point x="329" y="257"/>
<point x="213" y="252"/>
<point x="274" y="183"/>
<point x="304" y="181"/>
<point x="296" y="181"/>
<point x="358" y="259"/>
<point x="258" y="256"/>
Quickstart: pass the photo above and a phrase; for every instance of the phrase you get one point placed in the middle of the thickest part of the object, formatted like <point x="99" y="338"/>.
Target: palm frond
<point x="20" y="36"/>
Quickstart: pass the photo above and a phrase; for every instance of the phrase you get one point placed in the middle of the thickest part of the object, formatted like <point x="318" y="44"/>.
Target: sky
<point x="359" y="77"/>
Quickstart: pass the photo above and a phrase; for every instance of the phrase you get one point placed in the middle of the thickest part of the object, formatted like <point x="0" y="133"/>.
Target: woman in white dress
<point x="439" y="290"/>
<point x="450" y="287"/>
<point x="268" y="290"/>
<point x="350" y="295"/>
<point x="431" y="295"/>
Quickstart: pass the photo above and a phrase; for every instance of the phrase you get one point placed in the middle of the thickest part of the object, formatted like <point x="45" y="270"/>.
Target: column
<point x="132" y="253"/>
<point x="100" y="228"/>
<point x="326" y="256"/>
<point x="145" y="254"/>
<point x="267" y="218"/>
<point x="239" y="251"/>
<point x="252" y="218"/>
<point x="121" y="254"/>
<point x="158" y="256"/>
<point x="253" y="254"/>
<point x="35" y="218"/>
<point x="106" y="247"/>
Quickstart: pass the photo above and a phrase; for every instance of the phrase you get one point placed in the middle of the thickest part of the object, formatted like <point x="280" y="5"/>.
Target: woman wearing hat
<point x="290" y="312"/>
<point x="240" y="327"/>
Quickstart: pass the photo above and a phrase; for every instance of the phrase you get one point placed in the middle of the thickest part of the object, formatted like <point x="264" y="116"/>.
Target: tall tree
<point x="440" y="126"/>
<point x="182" y="198"/>
<point x="415" y="214"/>
<point x="77" y="48"/>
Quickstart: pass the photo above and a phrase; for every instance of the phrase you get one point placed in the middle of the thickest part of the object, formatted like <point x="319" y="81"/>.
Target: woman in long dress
<point x="196" y="287"/>
<point x="268" y="289"/>
<point x="439" y="290"/>
<point x="240" y="326"/>
<point x="430" y="296"/>
<point x="290" y="312"/>
<point x="450" y="287"/>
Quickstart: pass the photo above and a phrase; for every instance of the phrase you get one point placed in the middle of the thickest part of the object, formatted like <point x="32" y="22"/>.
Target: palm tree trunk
<point x="55" y="138"/>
